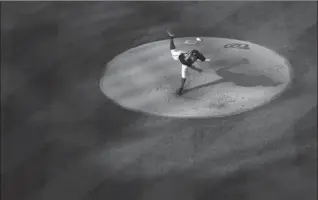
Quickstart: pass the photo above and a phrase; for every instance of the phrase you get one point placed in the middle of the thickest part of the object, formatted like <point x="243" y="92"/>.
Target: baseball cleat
<point x="179" y="91"/>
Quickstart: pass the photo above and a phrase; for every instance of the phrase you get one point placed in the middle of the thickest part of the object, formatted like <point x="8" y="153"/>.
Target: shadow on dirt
<point x="227" y="63"/>
<point x="222" y="68"/>
<point x="242" y="80"/>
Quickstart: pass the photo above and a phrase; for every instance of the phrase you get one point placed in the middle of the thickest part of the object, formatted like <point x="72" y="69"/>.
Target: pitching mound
<point x="240" y="77"/>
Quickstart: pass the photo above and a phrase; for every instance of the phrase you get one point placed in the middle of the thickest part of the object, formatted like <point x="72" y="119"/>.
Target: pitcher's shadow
<point x="239" y="79"/>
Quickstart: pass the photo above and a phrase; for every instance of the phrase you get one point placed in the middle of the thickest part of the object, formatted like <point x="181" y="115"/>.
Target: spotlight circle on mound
<point x="145" y="78"/>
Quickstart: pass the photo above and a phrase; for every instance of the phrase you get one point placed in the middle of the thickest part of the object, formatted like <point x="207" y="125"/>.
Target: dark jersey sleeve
<point x="199" y="55"/>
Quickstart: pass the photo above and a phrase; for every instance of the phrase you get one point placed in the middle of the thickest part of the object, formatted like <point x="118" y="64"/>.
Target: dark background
<point x="63" y="139"/>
